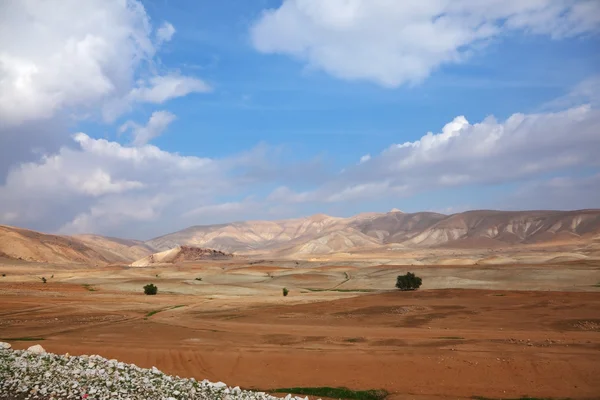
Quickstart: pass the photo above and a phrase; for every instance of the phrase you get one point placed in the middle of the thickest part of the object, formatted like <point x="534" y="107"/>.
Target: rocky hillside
<point x="181" y="254"/>
<point x="318" y="235"/>
<point x="27" y="245"/>
<point x="321" y="234"/>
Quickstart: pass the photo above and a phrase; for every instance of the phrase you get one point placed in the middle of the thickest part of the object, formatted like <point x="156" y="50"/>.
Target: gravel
<point x="45" y="376"/>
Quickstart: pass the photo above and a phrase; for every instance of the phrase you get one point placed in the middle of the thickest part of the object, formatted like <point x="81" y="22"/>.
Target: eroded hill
<point x="322" y="234"/>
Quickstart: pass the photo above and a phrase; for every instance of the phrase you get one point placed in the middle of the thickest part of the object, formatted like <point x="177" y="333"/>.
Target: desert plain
<point x="491" y="330"/>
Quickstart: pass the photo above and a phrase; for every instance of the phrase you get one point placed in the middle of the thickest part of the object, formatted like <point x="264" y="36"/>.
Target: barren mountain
<point x="29" y="245"/>
<point x="24" y="244"/>
<point x="181" y="254"/>
<point x="321" y="234"/>
<point x="394" y="233"/>
<point x="115" y="249"/>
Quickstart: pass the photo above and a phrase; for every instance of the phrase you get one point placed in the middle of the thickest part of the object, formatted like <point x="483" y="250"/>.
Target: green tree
<point x="408" y="282"/>
<point x="285" y="292"/>
<point x="150" y="289"/>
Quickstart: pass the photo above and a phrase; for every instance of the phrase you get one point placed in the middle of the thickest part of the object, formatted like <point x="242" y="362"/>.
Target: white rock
<point x="5" y="346"/>
<point x="37" y="349"/>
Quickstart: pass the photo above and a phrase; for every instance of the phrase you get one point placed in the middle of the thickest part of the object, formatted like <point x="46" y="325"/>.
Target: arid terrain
<point x="497" y="316"/>
<point x="499" y="331"/>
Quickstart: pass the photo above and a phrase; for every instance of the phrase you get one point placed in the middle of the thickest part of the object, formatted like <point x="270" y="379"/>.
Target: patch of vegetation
<point x="3" y="275"/>
<point x="408" y="282"/>
<point x="153" y="312"/>
<point x="52" y="277"/>
<point x="198" y="279"/>
<point x="499" y="294"/>
<point x="451" y="337"/>
<point x="285" y="292"/>
<point x="157" y="275"/>
<point x="23" y="339"/>
<point x="596" y="285"/>
<point x="150" y="289"/>
<point x="355" y="340"/>
<point x="335" y="393"/>
<point x="89" y="287"/>
<point x="44" y="280"/>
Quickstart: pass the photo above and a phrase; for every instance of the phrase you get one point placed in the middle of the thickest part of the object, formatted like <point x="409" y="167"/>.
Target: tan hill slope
<point x="181" y="254"/>
<point x="322" y="234"/>
<point x="116" y="250"/>
<point x="35" y="246"/>
<point x="366" y="233"/>
<point x="24" y="244"/>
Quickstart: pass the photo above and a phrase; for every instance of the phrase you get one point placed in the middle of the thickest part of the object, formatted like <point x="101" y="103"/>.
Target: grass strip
<point x="22" y="339"/>
<point x="153" y="312"/>
<point x="335" y="393"/>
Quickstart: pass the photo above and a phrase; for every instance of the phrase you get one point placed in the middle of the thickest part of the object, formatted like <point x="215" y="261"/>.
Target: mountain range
<point x="321" y="234"/>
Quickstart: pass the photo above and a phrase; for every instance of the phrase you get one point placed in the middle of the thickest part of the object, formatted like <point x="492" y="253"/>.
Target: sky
<point x="138" y="118"/>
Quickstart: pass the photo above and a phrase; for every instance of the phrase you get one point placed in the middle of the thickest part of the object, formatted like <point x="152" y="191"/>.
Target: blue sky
<point x="198" y="112"/>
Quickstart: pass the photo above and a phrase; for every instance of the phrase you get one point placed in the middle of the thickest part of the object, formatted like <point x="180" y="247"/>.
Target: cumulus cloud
<point x="157" y="124"/>
<point x="365" y="158"/>
<point x="395" y="42"/>
<point x="101" y="186"/>
<point x="72" y="60"/>
<point x="160" y="89"/>
<point x="524" y="146"/>
<point x="559" y="193"/>
<point x="97" y="185"/>
<point x="165" y="32"/>
<point x="69" y="54"/>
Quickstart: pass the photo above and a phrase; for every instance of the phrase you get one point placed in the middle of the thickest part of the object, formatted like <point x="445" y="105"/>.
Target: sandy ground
<point x="520" y="330"/>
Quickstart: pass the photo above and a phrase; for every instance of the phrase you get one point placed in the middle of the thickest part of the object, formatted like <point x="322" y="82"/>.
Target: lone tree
<point x="408" y="282"/>
<point x="150" y="289"/>
<point x="285" y="292"/>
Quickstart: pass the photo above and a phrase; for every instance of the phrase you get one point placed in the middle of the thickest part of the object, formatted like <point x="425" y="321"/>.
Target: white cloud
<point x="365" y="158"/>
<point x="78" y="57"/>
<point x="395" y="42"/>
<point x="160" y="89"/>
<point x="524" y="146"/>
<point x="223" y="208"/>
<point x="587" y="91"/>
<point x="157" y="124"/>
<point x="165" y="32"/>
<point x="68" y="54"/>
<point x="103" y="186"/>
<point x="559" y="193"/>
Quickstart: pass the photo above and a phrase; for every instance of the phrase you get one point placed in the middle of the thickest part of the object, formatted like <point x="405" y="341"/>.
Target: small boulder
<point x="37" y="349"/>
<point x="5" y="346"/>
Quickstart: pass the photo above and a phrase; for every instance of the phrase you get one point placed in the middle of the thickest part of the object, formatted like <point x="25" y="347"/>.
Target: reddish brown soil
<point x="428" y="344"/>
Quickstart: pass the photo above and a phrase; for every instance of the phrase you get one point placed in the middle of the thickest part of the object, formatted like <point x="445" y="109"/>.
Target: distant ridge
<point x="322" y="234"/>
<point x="393" y="232"/>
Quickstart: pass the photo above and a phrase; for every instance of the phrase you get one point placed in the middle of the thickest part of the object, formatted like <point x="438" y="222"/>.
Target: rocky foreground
<point x="35" y="374"/>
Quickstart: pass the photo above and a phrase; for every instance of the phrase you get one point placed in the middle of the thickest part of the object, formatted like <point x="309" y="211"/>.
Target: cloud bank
<point x="396" y="42"/>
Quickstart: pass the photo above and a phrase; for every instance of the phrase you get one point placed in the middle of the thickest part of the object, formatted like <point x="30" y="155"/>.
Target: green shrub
<point x="408" y="282"/>
<point x="43" y="278"/>
<point x="198" y="279"/>
<point x="285" y="292"/>
<point x="150" y="289"/>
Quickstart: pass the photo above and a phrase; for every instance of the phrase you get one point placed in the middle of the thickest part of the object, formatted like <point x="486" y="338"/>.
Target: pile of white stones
<point x="35" y="374"/>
